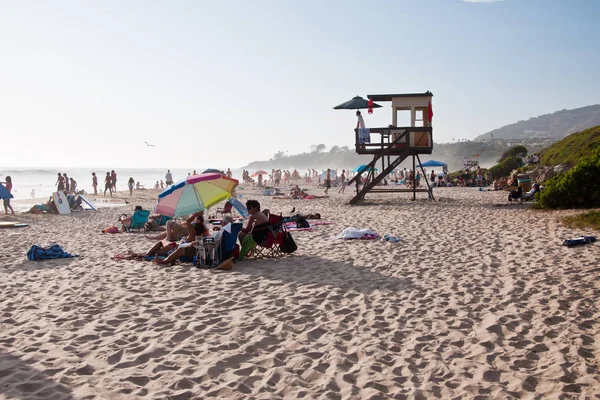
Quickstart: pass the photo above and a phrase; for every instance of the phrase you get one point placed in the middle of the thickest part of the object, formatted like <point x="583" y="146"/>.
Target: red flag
<point x="429" y="112"/>
<point x="370" y="106"/>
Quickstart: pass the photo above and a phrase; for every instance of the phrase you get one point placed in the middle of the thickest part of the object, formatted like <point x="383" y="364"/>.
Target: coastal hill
<point x="552" y="127"/>
<point x="535" y="134"/>
<point x="573" y="148"/>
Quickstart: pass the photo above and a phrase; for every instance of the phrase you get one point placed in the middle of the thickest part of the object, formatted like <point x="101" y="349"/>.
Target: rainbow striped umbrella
<point x="195" y="193"/>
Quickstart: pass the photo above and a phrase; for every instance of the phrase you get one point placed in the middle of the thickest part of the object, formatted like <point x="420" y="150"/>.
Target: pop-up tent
<point x="433" y="163"/>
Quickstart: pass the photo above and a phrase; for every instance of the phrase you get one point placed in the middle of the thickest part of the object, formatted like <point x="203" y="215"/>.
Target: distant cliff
<point x="535" y="134"/>
<point x="553" y="126"/>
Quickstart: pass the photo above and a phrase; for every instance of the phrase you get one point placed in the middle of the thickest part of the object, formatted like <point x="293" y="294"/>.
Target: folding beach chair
<point x="138" y="221"/>
<point x="271" y="246"/>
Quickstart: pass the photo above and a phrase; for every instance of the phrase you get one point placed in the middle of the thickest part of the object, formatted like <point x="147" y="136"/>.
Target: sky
<point x="223" y="83"/>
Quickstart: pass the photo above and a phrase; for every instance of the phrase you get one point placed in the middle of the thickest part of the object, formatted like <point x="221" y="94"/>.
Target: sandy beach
<point x="476" y="301"/>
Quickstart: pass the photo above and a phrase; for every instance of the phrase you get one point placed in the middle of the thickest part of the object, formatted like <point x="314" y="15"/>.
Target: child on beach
<point x="8" y="184"/>
<point x="95" y="183"/>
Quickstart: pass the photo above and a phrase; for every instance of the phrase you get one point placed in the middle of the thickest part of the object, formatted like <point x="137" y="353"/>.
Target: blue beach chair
<point x="211" y="254"/>
<point x="138" y="221"/>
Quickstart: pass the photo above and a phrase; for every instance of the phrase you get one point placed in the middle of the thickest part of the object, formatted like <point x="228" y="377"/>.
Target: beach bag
<point x="289" y="245"/>
<point x="301" y="222"/>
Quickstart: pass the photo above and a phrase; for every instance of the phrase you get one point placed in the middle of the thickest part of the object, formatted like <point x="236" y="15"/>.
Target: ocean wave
<point x="28" y="172"/>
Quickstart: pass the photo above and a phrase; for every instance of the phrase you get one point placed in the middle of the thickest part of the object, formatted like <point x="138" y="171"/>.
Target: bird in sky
<point x="149" y="145"/>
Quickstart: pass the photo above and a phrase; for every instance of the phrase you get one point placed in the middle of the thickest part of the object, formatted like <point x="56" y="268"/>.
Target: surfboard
<point x="86" y="201"/>
<point x="8" y="224"/>
<point x="61" y="202"/>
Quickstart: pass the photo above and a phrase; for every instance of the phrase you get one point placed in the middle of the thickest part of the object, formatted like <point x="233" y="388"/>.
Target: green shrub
<point x="515" y="151"/>
<point x="572" y="148"/>
<point x="577" y="187"/>
<point x="504" y="168"/>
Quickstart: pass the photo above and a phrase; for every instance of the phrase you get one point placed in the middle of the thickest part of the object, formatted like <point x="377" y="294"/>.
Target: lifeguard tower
<point x="391" y="145"/>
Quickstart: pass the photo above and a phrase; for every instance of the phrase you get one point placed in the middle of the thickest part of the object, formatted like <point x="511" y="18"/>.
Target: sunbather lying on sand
<point x="174" y="232"/>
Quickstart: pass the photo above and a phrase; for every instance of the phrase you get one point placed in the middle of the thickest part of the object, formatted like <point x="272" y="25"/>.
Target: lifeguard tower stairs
<point x="394" y="144"/>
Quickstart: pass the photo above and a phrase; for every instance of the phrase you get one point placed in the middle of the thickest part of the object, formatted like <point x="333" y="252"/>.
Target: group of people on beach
<point x="65" y="184"/>
<point x="179" y="241"/>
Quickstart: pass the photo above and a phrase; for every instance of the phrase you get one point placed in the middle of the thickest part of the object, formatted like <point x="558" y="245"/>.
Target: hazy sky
<point x="222" y="83"/>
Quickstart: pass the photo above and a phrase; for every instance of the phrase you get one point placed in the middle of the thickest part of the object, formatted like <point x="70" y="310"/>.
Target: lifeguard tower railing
<point x="389" y="147"/>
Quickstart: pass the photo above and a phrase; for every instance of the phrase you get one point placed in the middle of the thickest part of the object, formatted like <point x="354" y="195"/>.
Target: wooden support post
<point x="414" y="180"/>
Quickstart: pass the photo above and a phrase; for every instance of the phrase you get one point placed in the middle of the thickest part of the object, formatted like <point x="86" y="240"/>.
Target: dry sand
<point x="476" y="301"/>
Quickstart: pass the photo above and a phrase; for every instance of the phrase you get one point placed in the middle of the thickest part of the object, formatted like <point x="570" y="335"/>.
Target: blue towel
<point x="37" y="253"/>
<point x="364" y="135"/>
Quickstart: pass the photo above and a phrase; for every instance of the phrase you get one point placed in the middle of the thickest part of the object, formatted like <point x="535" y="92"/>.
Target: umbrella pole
<point x="200" y="205"/>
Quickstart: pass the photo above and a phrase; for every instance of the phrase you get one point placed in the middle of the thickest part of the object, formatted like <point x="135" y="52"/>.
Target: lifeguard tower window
<point x="419" y="118"/>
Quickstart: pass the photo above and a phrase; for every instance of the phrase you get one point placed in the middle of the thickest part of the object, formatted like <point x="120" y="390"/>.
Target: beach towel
<point x="112" y="229"/>
<point x="37" y="253"/>
<point x="358" y="233"/>
<point x="364" y="135"/>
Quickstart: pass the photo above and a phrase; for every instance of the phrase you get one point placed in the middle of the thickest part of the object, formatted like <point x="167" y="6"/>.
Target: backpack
<point x="289" y="245"/>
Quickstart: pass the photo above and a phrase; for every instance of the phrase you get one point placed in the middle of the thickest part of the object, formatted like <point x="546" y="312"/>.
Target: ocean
<point x="39" y="183"/>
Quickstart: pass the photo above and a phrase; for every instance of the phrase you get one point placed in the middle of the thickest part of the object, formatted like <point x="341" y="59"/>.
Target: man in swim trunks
<point x="327" y="180"/>
<point x="257" y="223"/>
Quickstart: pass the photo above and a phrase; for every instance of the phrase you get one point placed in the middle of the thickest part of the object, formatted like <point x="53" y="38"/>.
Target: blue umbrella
<point x="4" y="193"/>
<point x="363" y="168"/>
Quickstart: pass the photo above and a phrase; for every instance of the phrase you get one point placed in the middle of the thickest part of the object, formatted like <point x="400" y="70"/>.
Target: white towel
<point x="364" y="135"/>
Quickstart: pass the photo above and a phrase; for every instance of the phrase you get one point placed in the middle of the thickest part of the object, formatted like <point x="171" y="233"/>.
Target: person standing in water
<point x="113" y="180"/>
<point x="95" y="183"/>
<point x="130" y="184"/>
<point x="108" y="184"/>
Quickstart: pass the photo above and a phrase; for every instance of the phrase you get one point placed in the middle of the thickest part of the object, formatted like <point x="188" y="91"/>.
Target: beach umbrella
<point x="213" y="170"/>
<point x="363" y="168"/>
<point x="357" y="103"/>
<point x="259" y="172"/>
<point x="4" y="193"/>
<point x="195" y="193"/>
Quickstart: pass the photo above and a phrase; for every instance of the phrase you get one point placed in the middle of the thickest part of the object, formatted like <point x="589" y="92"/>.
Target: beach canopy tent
<point x="357" y="103"/>
<point x="433" y="163"/>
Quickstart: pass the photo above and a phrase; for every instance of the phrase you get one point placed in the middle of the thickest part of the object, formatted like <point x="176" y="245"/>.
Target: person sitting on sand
<point x="257" y="223"/>
<point x="48" y="207"/>
<point x="185" y="251"/>
<point x="195" y="224"/>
